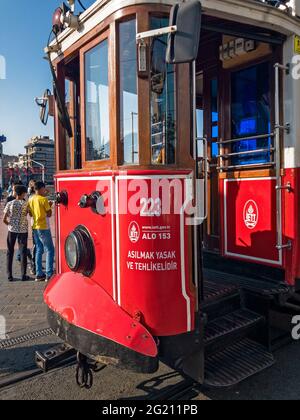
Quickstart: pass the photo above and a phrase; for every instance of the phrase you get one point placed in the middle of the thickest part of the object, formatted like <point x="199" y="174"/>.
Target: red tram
<point x="177" y="142"/>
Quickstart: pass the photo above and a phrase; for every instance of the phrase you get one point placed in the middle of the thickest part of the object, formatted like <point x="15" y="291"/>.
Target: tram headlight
<point x="80" y="251"/>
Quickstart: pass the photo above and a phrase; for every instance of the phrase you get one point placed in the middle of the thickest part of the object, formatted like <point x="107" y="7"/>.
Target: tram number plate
<point x="150" y="207"/>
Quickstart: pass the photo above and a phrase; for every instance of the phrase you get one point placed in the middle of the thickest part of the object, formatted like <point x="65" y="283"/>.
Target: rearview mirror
<point x="46" y="104"/>
<point x="183" y="45"/>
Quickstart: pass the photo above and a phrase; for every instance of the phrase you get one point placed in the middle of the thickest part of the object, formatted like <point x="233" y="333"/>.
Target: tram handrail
<point x="251" y="165"/>
<point x="258" y="137"/>
<point x="279" y="187"/>
<point x="225" y="156"/>
<point x="206" y="167"/>
<point x="248" y="152"/>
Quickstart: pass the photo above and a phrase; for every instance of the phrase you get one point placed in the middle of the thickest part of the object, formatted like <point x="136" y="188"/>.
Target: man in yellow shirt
<point x="40" y="210"/>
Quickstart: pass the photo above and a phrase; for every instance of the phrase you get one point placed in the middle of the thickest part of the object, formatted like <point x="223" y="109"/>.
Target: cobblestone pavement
<point x="21" y="303"/>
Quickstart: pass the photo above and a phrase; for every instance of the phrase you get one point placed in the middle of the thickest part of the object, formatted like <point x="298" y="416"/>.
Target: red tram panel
<point x="250" y="220"/>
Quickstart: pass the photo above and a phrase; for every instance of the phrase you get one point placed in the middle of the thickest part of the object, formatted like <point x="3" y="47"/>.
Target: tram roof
<point x="249" y="12"/>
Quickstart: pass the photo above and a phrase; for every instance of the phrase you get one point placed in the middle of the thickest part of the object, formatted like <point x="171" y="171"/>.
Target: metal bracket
<point x="54" y="357"/>
<point x="287" y="187"/>
<point x="283" y="67"/>
<point x="286" y="246"/>
<point x="155" y="33"/>
<point x="52" y="49"/>
<point x="286" y="127"/>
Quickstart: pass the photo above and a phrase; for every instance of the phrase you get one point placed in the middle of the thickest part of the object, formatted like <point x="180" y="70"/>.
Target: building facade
<point x="39" y="157"/>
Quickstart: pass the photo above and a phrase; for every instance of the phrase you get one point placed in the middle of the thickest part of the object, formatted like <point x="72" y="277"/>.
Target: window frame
<point x="271" y="60"/>
<point x="232" y="161"/>
<point x="91" y="164"/>
<point x="163" y="15"/>
<point x="108" y="29"/>
<point x="120" y="145"/>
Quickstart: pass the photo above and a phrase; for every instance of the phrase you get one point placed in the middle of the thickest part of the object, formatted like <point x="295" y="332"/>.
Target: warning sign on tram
<point x="154" y="277"/>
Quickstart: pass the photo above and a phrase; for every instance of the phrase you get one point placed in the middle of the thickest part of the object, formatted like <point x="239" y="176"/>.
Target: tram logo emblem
<point x="251" y="214"/>
<point x="134" y="232"/>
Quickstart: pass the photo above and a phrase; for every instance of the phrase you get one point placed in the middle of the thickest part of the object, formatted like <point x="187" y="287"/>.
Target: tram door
<point x="235" y="101"/>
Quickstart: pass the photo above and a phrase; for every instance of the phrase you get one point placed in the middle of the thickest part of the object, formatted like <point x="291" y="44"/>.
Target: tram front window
<point x="163" y="111"/>
<point x="128" y="92"/>
<point x="97" y="103"/>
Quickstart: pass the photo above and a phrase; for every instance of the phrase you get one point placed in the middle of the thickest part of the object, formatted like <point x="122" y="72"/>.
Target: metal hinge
<point x="287" y="187"/>
<point x="286" y="246"/>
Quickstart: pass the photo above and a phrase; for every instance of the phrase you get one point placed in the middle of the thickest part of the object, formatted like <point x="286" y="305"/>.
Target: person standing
<point x="31" y="256"/>
<point x="11" y="195"/>
<point x="31" y="190"/>
<point x="40" y="210"/>
<point x="15" y="217"/>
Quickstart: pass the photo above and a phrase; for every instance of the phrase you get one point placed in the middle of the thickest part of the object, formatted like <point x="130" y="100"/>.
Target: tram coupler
<point x="54" y="357"/>
<point x="85" y="371"/>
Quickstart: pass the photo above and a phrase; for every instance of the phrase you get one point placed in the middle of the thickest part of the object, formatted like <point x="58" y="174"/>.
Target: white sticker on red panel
<point x="134" y="232"/>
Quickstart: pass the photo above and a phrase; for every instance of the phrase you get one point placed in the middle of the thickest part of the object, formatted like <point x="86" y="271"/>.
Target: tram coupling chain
<point x="85" y="370"/>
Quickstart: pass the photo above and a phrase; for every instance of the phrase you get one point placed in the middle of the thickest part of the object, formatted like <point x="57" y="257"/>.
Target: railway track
<point x="186" y="389"/>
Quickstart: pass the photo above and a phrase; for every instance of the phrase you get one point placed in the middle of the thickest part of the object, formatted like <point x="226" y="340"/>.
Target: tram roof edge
<point x="251" y="12"/>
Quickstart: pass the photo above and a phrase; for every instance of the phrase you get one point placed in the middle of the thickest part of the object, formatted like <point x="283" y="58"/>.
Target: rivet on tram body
<point x="137" y="316"/>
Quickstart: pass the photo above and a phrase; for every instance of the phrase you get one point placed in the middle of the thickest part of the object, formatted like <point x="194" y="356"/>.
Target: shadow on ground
<point x="20" y="359"/>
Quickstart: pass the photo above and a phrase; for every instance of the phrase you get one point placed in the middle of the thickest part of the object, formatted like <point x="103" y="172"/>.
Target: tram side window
<point x="128" y="92"/>
<point x="250" y="110"/>
<point x="67" y="138"/>
<point x="163" y="101"/>
<point x="97" y="103"/>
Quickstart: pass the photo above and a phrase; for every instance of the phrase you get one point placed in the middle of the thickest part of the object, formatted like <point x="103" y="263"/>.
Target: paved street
<point x="22" y="306"/>
<point x="21" y="303"/>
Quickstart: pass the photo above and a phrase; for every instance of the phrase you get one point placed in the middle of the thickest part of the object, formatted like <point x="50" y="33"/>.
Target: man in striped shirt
<point x="15" y="217"/>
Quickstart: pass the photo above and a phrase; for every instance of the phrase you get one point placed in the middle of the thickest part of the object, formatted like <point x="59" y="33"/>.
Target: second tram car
<point x="177" y="143"/>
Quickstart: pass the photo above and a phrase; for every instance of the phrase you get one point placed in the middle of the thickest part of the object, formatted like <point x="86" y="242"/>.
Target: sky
<point x="24" y="31"/>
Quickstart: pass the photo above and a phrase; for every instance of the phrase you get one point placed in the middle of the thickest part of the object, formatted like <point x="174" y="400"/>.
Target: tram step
<point x="236" y="363"/>
<point x="254" y="285"/>
<point x="214" y="291"/>
<point x="222" y="305"/>
<point x="233" y="324"/>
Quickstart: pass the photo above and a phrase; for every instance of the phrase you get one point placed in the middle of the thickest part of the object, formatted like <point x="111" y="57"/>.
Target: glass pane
<point x="215" y="132"/>
<point x="67" y="138"/>
<point x="200" y="132"/>
<point x="250" y="110"/>
<point x="163" y="107"/>
<point x="128" y="92"/>
<point x="214" y="101"/>
<point x="97" y="103"/>
<point x="214" y="150"/>
<point x="214" y="117"/>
